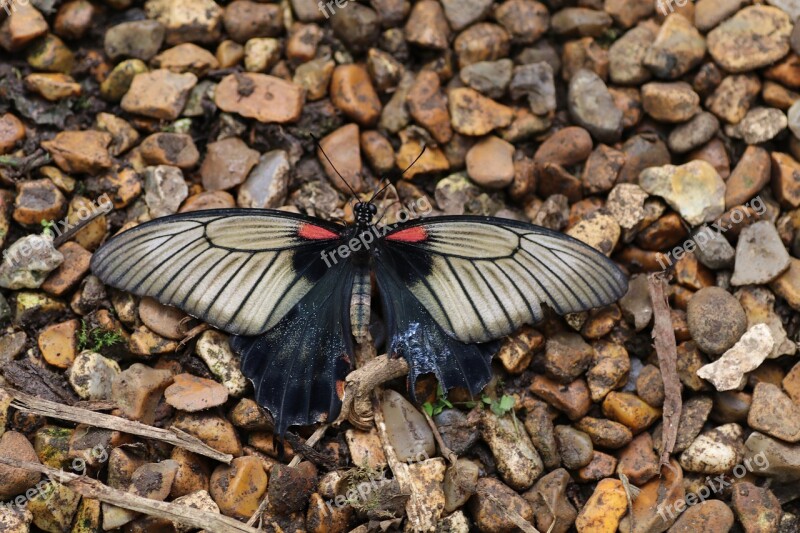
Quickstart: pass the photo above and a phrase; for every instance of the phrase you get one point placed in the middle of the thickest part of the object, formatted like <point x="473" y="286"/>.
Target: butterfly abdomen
<point x="360" y="304"/>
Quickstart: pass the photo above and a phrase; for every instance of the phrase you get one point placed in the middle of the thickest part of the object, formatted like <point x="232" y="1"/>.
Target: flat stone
<point x="261" y="54"/>
<point x="774" y="413"/>
<point x="267" y="184"/>
<point x="759" y="305"/>
<point x="191" y="393"/>
<point x="754" y="37"/>
<point x="481" y="42"/>
<point x="53" y="87"/>
<point x="709" y="13"/>
<point x="537" y="82"/>
<point x="551" y="507"/>
<point x="786" y="179"/>
<point x="186" y="57"/>
<point x="630" y="410"/>
<point x="244" y="20"/>
<point x="227" y="164"/>
<point x="574" y="447"/>
<point x="91" y="376"/>
<point x="473" y="114"/>
<point x="695" y="190"/>
<point x="592" y="106"/>
<point x="343" y="147"/>
<point x="250" y="95"/>
<point x="214" y="430"/>
<point x="715" y="451"/>
<point x="490" y="163"/>
<point x="672" y="102"/>
<point x="525" y="20"/>
<point x="610" y="369"/>
<point x="760" y="255"/>
<point x="58" y="343"/>
<point x="80" y="151"/>
<point x="580" y="21"/>
<point x="187" y="20"/>
<point x="164" y="189"/>
<point x="677" y="49"/>
<point x="693" y="134"/>
<point x="159" y="94"/>
<point x="28" y="262"/>
<point x="428" y="106"/>
<point x="174" y="149"/>
<point x="138" y="391"/>
<point x="773" y="458"/>
<point x="119" y="80"/>
<point x="24" y="25"/>
<point x="662" y="492"/>
<point x="139" y="39"/>
<point x="728" y="372"/>
<point x="406" y="428"/>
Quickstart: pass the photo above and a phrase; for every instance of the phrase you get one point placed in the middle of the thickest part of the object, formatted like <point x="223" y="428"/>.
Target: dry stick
<point x="31" y="404"/>
<point x="73" y="230"/>
<point x="447" y="452"/>
<point x="312" y="440"/>
<point x="359" y="384"/>
<point x="91" y="488"/>
<point x="664" y="339"/>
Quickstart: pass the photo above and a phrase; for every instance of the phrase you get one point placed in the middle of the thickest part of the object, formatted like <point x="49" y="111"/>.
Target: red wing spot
<point x="415" y="234"/>
<point x="316" y="233"/>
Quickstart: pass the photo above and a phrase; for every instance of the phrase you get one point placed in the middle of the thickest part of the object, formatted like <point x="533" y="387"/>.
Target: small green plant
<point x="500" y="407"/>
<point x="96" y="339"/>
<point x="441" y="403"/>
<point x="48" y="225"/>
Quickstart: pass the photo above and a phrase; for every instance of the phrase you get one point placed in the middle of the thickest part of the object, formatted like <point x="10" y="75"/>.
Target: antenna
<point x="402" y="174"/>
<point x="319" y="145"/>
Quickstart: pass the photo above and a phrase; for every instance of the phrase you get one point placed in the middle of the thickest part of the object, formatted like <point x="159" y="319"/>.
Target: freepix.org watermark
<point x="713" y="486"/>
<point x="325" y="8"/>
<point x="707" y="234"/>
<point x="667" y="7"/>
<point x="416" y="209"/>
<point x="10" y="6"/>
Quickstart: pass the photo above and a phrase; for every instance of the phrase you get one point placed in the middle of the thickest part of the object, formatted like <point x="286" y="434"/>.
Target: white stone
<point x="760" y="255"/>
<point x="213" y="349"/>
<point x="695" y="189"/>
<point x="714" y="452"/>
<point x="91" y="376"/>
<point x="164" y="190"/>
<point x="729" y="372"/>
<point x="28" y="261"/>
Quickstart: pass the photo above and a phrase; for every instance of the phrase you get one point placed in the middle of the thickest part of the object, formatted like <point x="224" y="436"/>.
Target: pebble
<point x="229" y="53"/>
<point x="91" y="376"/>
<point x="638" y="461"/>
<point x="592" y="106"/>
<point x="491" y="503"/>
<point x="552" y="509"/>
<point x="715" y="451"/>
<point x="74" y="19"/>
<point x="119" y="80"/>
<point x="139" y="39"/>
<point x="786" y="179"/>
<point x="158" y="94"/>
<point x="758" y="510"/>
<point x="432" y="160"/>
<point x="774" y="413"/>
<point x="759" y="125"/>
<point x="26" y="25"/>
<point x="427" y="26"/>
<point x="457" y="431"/>
<point x="760" y="255"/>
<point x="630" y="410"/>
<point x="186" y="57"/>
<point x="773" y="458"/>
<point x="602" y="169"/>
<point x="481" y="42"/>
<point x="525" y="20"/>
<point x="517" y="461"/>
<point x="537" y="82"/>
<point x="212" y="347"/>
<point x="677" y="48"/>
<point x="164" y="189"/>
<point x="693" y="134"/>
<point x="626" y="56"/>
<point x="580" y="21"/>
<point x="343" y="147"/>
<point x="716" y="320"/>
<point x="709" y="13"/>
<point x="604" y="433"/>
<point x="490" y="163"/>
<point x="672" y="102"/>
<point x="754" y="37"/>
<point x="365" y="448"/>
<point x="378" y="151"/>
<point x="490" y="78"/>
<point x="191" y="393"/>
<point x="566" y="147"/>
<point x="461" y="14"/>
<point x="237" y="489"/>
<point x="574" y="447"/>
<point x="609" y="370"/>
<point x="386" y="72"/>
<point x="53" y="87"/>
<point x="261" y="54"/>
<point x="80" y="151"/>
<point x="428" y="106"/>
<point x="12" y="130"/>
<point x="650" y="386"/>
<point x="245" y="20"/>
<point x="174" y="149"/>
<point x="604" y="509"/>
<point x="28" y="262"/>
<point x="138" y="391"/>
<point x="567" y="356"/>
<point x="460" y="483"/>
<point x="289" y="487"/>
<point x="314" y="77"/>
<point x="626" y="203"/>
<point x="197" y="21"/>
<point x="267" y="184"/>
<point x="635" y="305"/>
<point x="710" y="516"/>
<point x="694" y="414"/>
<point x="152" y="481"/>
<point x="216" y="431"/>
<point x="227" y="163"/>
<point x="58" y="343"/>
<point x="759" y="305"/>
<point x="51" y="55"/>
<point x="750" y="175"/>
<point x="473" y="114"/>
<point x="53" y="507"/>
<point x="200" y="500"/>
<point x="358" y="27"/>
<point x="352" y="92"/>
<point x="695" y="190"/>
<point x="406" y="428"/>
<point x="16" y="481"/>
<point x="15" y="520"/>
<point x="733" y="97"/>
<point x="249" y="94"/>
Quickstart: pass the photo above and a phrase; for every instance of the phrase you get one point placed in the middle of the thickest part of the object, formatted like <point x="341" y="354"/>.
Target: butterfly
<point x="294" y="291"/>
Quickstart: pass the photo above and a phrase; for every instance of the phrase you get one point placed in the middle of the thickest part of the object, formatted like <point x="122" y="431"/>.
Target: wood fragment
<point x="30" y="404"/>
<point x="446" y="452"/>
<point x="664" y="340"/>
<point x="359" y="384"/>
<point x="91" y="488"/>
<point x="82" y="223"/>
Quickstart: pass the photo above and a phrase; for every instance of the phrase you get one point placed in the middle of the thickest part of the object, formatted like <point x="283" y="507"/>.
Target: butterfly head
<point x="364" y="213"/>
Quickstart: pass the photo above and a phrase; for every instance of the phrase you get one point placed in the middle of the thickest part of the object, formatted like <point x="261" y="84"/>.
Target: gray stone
<point x="574" y="446"/>
<point x="267" y="184"/>
<point x="592" y="106"/>
<point x="693" y="134"/>
<point x="713" y="249"/>
<point x="140" y="39"/>
<point x="164" y="190"/>
<point x="462" y="13"/>
<point x="406" y="428"/>
<point x="773" y="458"/>
<point x="536" y="81"/>
<point x="490" y="78"/>
<point x="760" y="255"/>
<point x="91" y="376"/>
<point x="28" y="261"/>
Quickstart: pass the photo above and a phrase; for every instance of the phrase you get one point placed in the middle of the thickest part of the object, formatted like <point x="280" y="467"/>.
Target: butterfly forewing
<point x="482" y="278"/>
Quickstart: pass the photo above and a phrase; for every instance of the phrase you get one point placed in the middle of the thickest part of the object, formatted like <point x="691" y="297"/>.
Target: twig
<point x="631" y="493"/>
<point x="359" y="384"/>
<point x="91" y="488"/>
<point x="74" y="229"/>
<point x="664" y="340"/>
<point x="27" y="403"/>
<point x="447" y="452"/>
<point x="310" y="443"/>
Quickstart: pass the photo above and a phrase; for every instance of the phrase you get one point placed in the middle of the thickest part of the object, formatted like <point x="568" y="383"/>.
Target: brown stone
<point x="786" y="179"/>
<point x="352" y="92"/>
<point x="159" y="94"/>
<point x="569" y="146"/>
<point x="733" y="97"/>
<point x="609" y="369"/>
<point x="638" y="461"/>
<point x="16" y="481"/>
<point x="602" y="169"/>
<point x="174" y="149"/>
<point x="138" y="391"/>
<point x="663" y="492"/>
<point x="303" y="42"/>
<point x="208" y="200"/>
<point x="11" y="132"/>
<point x="711" y="516"/>
<point x="227" y="164"/>
<point x="193" y="473"/>
<point x="214" y="430"/>
<point x="432" y="160"/>
<point x="74" y="19"/>
<point x="629" y="409"/>
<point x="427" y="26"/>
<point x="186" y="57"/>
<point x="774" y="413"/>
<point x="59" y="343"/>
<point x="191" y="393"/>
<point x="757" y="508"/>
<point x="490" y="506"/>
<point x="481" y="42"/>
<point x="572" y="399"/>
<point x="525" y="20"/>
<point x="670" y="102"/>
<point x="715" y="154"/>
<point x="604" y="509"/>
<point x="245" y="20"/>
<point x="378" y="151"/>
<point x="24" y="25"/>
<point x="67" y="276"/>
<point x="428" y="105"/>
<point x="229" y="53"/>
<point x="53" y="87"/>
<point x="490" y="163"/>
<point x="252" y="95"/>
<point x="162" y="319"/>
<point x="343" y="148"/>
<point x="587" y="54"/>
<point x="754" y="37"/>
<point x="38" y="200"/>
<point x="605" y="433"/>
<point x="473" y="114"/>
<point x="80" y="151"/>
<point x="237" y="489"/>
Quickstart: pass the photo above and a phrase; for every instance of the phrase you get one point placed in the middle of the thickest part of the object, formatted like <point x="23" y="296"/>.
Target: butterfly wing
<point x="262" y="276"/>
<point x="471" y="280"/>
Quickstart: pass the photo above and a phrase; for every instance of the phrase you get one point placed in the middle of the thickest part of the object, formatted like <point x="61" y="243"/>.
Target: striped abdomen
<point x="359" y="304"/>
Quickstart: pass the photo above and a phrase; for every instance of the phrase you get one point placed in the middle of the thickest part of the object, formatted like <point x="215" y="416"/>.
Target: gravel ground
<point x="666" y="134"/>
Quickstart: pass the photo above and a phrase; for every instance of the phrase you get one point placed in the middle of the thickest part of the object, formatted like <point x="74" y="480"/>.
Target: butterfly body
<point x="295" y="291"/>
